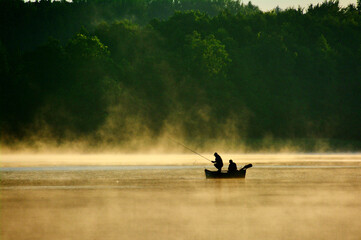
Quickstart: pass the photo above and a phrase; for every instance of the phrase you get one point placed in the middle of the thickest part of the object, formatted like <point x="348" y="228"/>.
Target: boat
<point x="237" y="174"/>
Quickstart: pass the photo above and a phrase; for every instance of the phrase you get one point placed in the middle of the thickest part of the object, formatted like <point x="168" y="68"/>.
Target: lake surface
<point x="308" y="196"/>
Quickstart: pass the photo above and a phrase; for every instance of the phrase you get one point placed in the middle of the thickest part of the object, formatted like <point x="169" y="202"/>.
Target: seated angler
<point x="232" y="166"/>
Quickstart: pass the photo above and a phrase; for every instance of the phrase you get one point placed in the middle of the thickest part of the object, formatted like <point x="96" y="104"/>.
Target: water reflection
<point x="281" y="200"/>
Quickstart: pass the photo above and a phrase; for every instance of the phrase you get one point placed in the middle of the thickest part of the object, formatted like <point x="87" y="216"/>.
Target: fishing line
<point x="190" y="149"/>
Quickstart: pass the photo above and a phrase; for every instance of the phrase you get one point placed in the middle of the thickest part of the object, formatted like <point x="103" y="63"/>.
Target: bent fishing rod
<point x="189" y="149"/>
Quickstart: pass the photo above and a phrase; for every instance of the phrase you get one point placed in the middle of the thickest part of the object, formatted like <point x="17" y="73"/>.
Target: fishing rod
<point x="190" y="149"/>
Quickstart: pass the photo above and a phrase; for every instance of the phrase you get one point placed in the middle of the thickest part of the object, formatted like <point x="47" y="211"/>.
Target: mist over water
<point x="111" y="159"/>
<point x="300" y="196"/>
<point x="102" y="103"/>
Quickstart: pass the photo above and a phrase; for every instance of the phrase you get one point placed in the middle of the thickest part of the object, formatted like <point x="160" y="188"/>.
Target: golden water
<point x="167" y="197"/>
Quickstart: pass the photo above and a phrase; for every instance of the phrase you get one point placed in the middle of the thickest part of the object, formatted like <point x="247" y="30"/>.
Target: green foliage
<point x="209" y="69"/>
<point x="83" y="47"/>
<point x="207" y="55"/>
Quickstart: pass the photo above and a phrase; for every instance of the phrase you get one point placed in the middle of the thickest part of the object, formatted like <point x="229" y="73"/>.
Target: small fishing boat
<point x="237" y="174"/>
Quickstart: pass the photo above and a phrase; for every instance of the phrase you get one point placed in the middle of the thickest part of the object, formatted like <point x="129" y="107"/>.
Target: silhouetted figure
<point x="218" y="163"/>
<point x="232" y="166"/>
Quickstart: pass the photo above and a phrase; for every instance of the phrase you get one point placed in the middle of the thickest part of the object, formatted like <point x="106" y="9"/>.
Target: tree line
<point x="114" y="70"/>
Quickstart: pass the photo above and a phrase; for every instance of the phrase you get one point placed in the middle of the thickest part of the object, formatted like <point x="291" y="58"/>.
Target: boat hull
<point x="215" y="174"/>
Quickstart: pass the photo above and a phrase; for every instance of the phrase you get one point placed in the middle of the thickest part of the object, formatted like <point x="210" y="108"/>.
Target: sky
<point x="266" y="5"/>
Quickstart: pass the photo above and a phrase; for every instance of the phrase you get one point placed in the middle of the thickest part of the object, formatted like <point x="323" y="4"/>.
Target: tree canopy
<point x="112" y="71"/>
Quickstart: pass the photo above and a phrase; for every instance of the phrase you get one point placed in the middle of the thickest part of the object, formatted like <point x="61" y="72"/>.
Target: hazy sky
<point x="270" y="4"/>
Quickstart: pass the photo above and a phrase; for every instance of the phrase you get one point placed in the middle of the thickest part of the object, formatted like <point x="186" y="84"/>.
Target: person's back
<point x="232" y="166"/>
<point x="218" y="163"/>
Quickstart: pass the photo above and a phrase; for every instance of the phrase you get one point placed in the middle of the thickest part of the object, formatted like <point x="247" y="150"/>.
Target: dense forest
<point x="116" y="72"/>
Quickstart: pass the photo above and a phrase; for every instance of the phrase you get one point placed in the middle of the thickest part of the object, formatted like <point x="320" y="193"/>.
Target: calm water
<point x="308" y="197"/>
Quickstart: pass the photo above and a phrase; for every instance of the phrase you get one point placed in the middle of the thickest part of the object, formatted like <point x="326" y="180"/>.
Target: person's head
<point x="230" y="161"/>
<point x="215" y="154"/>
